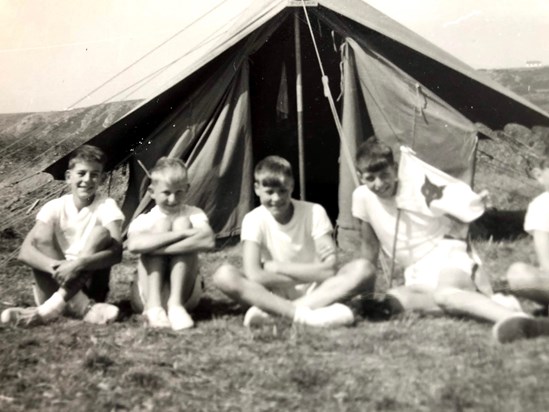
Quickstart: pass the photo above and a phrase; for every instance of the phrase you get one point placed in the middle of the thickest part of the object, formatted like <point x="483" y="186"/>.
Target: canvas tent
<point x="234" y="102"/>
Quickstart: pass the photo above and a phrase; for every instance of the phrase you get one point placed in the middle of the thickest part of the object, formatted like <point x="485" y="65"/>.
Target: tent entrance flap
<point x="273" y="108"/>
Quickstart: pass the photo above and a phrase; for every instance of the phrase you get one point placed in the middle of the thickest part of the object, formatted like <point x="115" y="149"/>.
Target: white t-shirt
<point x="537" y="214"/>
<point x="72" y="226"/>
<point x="417" y="234"/>
<point x="146" y="221"/>
<point x="292" y="242"/>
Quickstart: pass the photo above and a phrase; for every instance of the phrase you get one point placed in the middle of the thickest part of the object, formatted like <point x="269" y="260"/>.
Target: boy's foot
<point x="255" y="317"/>
<point x="21" y="316"/>
<point x="519" y="326"/>
<point x="157" y="318"/>
<point x="179" y="318"/>
<point x="52" y="308"/>
<point x="334" y="315"/>
<point x="101" y="314"/>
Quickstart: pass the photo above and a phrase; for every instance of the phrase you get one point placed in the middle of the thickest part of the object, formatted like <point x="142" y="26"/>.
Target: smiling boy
<point x="289" y="258"/>
<point x="168" y="239"/>
<point x="71" y="248"/>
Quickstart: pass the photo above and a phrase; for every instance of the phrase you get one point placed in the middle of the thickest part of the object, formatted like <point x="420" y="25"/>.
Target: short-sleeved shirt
<point x="72" y="227"/>
<point x="292" y="242"/>
<point x="537" y="214"/>
<point x="145" y="222"/>
<point x="417" y="234"/>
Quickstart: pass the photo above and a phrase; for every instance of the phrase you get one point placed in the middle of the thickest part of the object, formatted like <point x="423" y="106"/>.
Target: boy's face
<point x="277" y="199"/>
<point x="542" y="176"/>
<point x="84" y="179"/>
<point x="169" y="195"/>
<point x="382" y="183"/>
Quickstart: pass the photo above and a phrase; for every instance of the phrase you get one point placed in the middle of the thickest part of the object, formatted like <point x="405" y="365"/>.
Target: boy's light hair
<point x="169" y="170"/>
<point x="88" y="153"/>
<point x="374" y="155"/>
<point x="273" y="171"/>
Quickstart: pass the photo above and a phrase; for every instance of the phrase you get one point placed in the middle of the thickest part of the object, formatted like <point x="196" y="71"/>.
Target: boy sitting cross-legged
<point x="71" y="248"/>
<point x="289" y="258"/>
<point x="439" y="270"/>
<point x="167" y="240"/>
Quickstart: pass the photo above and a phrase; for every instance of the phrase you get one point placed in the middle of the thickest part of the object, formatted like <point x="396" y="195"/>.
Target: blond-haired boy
<point x="71" y="248"/>
<point x="168" y="239"/>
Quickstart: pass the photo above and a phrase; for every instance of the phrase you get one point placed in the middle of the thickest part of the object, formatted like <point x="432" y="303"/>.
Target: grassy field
<point x="403" y="363"/>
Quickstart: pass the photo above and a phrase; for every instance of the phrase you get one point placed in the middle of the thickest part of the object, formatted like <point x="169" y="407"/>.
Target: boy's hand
<point x="67" y="270"/>
<point x="485" y="197"/>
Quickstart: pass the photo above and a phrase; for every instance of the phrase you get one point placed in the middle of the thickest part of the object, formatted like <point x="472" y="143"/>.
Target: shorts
<point x="138" y="301"/>
<point x="449" y="253"/>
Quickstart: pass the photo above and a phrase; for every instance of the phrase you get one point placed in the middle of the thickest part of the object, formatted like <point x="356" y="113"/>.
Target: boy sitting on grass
<point x="289" y="258"/>
<point x="168" y="239"/>
<point x="71" y="248"/>
<point x="439" y="271"/>
<point x="529" y="281"/>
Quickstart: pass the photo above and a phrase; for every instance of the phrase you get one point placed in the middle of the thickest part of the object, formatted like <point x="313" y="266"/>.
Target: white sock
<point x="52" y="308"/>
<point x="334" y="315"/>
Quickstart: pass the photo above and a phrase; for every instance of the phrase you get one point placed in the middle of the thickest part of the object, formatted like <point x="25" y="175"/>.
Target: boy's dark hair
<point x="170" y="169"/>
<point x="88" y="153"/>
<point x="374" y="155"/>
<point x="272" y="171"/>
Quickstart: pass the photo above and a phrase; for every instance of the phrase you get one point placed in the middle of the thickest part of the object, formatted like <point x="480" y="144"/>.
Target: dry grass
<point x="400" y="364"/>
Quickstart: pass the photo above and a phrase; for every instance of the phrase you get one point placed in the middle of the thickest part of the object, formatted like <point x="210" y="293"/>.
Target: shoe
<point x="331" y="316"/>
<point x="157" y="318"/>
<point x="255" y="317"/>
<point x="21" y="316"/>
<point x="101" y="314"/>
<point x="520" y="326"/>
<point x="179" y="318"/>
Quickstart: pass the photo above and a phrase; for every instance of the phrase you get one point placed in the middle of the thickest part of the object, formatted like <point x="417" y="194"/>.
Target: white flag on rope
<point x="425" y="189"/>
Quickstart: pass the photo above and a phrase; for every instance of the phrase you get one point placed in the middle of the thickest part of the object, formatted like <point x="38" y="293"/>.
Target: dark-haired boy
<point x="439" y="270"/>
<point x="71" y="248"/>
<point x="289" y="258"/>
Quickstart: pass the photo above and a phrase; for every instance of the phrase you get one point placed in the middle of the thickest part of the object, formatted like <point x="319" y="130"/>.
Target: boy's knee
<point x="517" y="274"/>
<point x="445" y="297"/>
<point x="226" y="278"/>
<point x="182" y="223"/>
<point x="100" y="239"/>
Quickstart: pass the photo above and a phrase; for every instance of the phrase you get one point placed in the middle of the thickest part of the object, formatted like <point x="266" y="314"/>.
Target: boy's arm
<point x="197" y="239"/>
<point x="369" y="245"/>
<point x="541" y="245"/>
<point x="148" y="242"/>
<point x="251" y="256"/>
<point x="99" y="260"/>
<point x="30" y="255"/>
<point x="313" y="271"/>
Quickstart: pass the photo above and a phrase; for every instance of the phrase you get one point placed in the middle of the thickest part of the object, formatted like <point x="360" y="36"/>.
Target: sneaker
<point x="179" y="318"/>
<point x="22" y="316"/>
<point x="101" y="314"/>
<point x="255" y="317"/>
<point x="331" y="316"/>
<point x="520" y="326"/>
<point x="157" y="318"/>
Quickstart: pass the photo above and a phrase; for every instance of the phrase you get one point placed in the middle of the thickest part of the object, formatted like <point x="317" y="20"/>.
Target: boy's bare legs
<point x="414" y="298"/>
<point x="353" y="278"/>
<point x="183" y="275"/>
<point x="234" y="284"/>
<point x="529" y="282"/>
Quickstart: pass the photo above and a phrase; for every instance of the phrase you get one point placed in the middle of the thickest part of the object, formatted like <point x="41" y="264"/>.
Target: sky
<point x="55" y="53"/>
